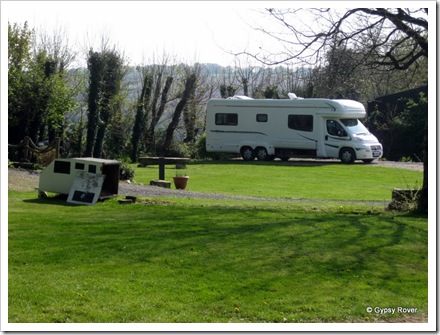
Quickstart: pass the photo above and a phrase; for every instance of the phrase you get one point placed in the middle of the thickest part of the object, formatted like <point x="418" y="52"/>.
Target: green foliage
<point x="174" y="149"/>
<point x="413" y="120"/>
<point x="201" y="152"/>
<point x="227" y="91"/>
<point x="19" y="57"/>
<point x="106" y="73"/>
<point x="38" y="92"/>
<point x="400" y="125"/>
<point x="126" y="172"/>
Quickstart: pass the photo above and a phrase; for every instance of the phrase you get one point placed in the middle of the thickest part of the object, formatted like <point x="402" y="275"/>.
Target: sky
<point x="189" y="31"/>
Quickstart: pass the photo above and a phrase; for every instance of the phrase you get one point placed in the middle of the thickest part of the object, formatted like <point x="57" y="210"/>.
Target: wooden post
<point x="26" y="149"/>
<point x="161" y="168"/>
<point x="57" y="147"/>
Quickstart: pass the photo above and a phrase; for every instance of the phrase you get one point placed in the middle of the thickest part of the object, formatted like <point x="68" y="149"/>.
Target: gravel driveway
<point x="25" y="180"/>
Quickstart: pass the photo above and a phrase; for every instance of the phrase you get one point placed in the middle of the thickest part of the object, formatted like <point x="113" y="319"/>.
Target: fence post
<point x="57" y="147"/>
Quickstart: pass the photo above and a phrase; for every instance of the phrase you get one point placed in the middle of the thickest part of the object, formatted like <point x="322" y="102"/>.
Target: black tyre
<point x="261" y="154"/>
<point x="347" y="155"/>
<point x="247" y="153"/>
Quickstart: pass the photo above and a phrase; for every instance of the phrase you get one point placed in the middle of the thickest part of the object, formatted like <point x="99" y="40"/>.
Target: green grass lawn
<point x="217" y="261"/>
<point x="180" y="263"/>
<point x="285" y="180"/>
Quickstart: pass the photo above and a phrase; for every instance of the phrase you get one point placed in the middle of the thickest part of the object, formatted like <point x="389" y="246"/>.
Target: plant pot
<point x="180" y="182"/>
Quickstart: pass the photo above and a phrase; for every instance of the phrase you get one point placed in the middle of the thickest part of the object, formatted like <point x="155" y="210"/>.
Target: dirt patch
<point x="23" y="180"/>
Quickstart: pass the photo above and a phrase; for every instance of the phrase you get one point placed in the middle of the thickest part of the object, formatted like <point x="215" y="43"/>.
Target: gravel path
<point x="25" y="180"/>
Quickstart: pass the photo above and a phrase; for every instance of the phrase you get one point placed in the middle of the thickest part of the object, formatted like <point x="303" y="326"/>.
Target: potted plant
<point x="180" y="180"/>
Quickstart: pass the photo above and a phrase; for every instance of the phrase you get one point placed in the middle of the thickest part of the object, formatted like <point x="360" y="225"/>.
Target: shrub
<point x="126" y="172"/>
<point x="203" y="154"/>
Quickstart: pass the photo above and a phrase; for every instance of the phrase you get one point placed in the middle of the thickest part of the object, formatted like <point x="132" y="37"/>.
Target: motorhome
<point x="267" y="128"/>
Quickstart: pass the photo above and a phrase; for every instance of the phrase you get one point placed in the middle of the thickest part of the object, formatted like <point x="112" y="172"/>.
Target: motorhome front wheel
<point x="347" y="155"/>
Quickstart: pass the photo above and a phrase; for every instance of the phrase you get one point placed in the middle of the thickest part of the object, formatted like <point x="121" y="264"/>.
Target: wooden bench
<point x="178" y="161"/>
<point x="162" y="161"/>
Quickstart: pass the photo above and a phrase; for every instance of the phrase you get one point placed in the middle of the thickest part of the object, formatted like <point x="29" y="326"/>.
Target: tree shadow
<point x="278" y="162"/>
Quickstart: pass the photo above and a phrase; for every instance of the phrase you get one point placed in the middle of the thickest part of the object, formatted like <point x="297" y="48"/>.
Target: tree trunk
<point x="423" y="199"/>
<point x="150" y="140"/>
<point x="189" y="89"/>
<point x="189" y="118"/>
<point x="139" y="124"/>
<point x="94" y="65"/>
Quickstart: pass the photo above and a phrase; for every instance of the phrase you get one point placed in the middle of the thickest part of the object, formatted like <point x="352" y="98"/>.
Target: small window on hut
<point x="79" y="166"/>
<point x="61" y="167"/>
<point x="92" y="168"/>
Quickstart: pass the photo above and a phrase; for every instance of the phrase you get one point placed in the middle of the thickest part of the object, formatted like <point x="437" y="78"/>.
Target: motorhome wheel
<point x="261" y="154"/>
<point x="247" y="153"/>
<point x="347" y="155"/>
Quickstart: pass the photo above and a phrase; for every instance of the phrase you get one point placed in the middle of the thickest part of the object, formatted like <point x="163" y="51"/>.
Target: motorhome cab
<point x="285" y="128"/>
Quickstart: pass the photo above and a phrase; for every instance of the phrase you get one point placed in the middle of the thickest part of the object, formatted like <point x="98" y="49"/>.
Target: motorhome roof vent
<point x="240" y="97"/>
<point x="292" y="96"/>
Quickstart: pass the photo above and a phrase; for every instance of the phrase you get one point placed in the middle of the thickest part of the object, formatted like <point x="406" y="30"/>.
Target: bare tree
<point x="396" y="37"/>
<point x="227" y="83"/>
<point x="248" y="76"/>
<point x="57" y="47"/>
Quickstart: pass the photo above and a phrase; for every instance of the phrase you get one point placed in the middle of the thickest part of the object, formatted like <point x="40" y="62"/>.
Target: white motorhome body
<point x="266" y="128"/>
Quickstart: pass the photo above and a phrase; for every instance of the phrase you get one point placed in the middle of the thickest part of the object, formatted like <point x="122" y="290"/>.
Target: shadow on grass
<point x="59" y="200"/>
<point x="335" y="242"/>
<point x="278" y="162"/>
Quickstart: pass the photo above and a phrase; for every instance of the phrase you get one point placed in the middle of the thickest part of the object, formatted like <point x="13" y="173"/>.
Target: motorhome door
<point x="335" y="138"/>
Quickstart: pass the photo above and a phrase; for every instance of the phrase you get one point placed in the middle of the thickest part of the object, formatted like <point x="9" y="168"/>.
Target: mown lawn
<point x="326" y="181"/>
<point x="197" y="261"/>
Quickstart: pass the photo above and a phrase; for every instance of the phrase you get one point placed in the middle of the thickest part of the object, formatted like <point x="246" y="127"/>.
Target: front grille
<point x="376" y="147"/>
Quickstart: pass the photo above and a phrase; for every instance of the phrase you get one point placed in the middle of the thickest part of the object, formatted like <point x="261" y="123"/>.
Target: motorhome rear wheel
<point x="261" y="154"/>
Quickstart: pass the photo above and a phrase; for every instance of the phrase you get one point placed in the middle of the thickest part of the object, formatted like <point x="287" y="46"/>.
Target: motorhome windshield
<point x="355" y="126"/>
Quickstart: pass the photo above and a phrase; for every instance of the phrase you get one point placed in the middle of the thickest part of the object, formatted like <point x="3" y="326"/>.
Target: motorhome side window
<point x="261" y="117"/>
<point x="226" y="119"/>
<point x="301" y="122"/>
